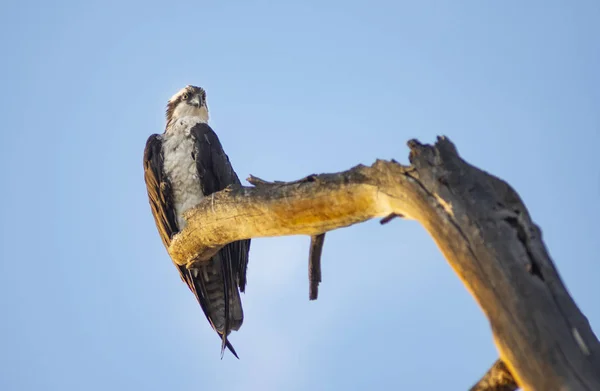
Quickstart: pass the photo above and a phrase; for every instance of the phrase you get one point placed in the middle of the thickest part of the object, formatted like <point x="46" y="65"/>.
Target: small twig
<point x="389" y="218"/>
<point x="497" y="378"/>
<point x="256" y="181"/>
<point x="314" y="265"/>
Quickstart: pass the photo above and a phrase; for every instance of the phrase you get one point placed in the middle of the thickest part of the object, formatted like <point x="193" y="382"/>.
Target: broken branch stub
<point x="314" y="265"/>
<point x="477" y="220"/>
<point x="497" y="378"/>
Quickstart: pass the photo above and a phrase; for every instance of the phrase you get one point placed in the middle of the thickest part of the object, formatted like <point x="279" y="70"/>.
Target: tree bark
<point x="477" y="220"/>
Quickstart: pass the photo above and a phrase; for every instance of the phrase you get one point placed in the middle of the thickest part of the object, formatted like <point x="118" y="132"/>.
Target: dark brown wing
<point x="216" y="173"/>
<point x="159" y="190"/>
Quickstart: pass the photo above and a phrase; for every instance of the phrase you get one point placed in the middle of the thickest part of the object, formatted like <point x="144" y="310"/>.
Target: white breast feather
<point x="180" y="167"/>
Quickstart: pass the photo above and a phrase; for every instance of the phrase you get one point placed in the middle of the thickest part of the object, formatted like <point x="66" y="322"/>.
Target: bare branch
<point x="310" y="206"/>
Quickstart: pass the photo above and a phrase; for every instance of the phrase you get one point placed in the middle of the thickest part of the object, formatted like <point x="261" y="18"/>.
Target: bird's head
<point x="189" y="101"/>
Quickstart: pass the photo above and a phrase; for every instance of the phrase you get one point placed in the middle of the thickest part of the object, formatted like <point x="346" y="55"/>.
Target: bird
<point x="183" y="165"/>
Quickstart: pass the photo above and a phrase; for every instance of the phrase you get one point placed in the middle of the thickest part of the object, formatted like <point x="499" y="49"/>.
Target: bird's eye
<point x="185" y="96"/>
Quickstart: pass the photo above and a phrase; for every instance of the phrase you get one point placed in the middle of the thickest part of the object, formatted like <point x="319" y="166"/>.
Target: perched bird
<point x="181" y="166"/>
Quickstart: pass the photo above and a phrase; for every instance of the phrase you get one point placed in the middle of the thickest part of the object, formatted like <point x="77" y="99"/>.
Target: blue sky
<point x="90" y="299"/>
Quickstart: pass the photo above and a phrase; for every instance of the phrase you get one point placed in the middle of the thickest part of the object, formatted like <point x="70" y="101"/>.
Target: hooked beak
<point x="196" y="101"/>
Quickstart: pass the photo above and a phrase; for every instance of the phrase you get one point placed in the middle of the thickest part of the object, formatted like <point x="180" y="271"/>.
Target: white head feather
<point x="190" y="101"/>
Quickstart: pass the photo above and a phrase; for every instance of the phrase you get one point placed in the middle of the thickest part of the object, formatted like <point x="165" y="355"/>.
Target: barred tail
<point x="216" y="290"/>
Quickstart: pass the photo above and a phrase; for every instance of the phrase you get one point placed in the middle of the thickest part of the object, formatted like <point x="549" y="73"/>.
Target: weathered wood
<point x="477" y="220"/>
<point x="497" y="378"/>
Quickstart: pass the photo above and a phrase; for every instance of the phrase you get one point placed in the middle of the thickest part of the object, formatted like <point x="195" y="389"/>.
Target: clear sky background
<point x="89" y="297"/>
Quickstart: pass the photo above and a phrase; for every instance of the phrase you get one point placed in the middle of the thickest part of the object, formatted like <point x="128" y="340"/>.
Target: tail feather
<point x="216" y="290"/>
<point x="227" y="286"/>
<point x="231" y="349"/>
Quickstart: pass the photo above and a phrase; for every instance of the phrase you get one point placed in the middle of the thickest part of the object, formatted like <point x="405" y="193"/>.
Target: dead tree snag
<point x="477" y="220"/>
